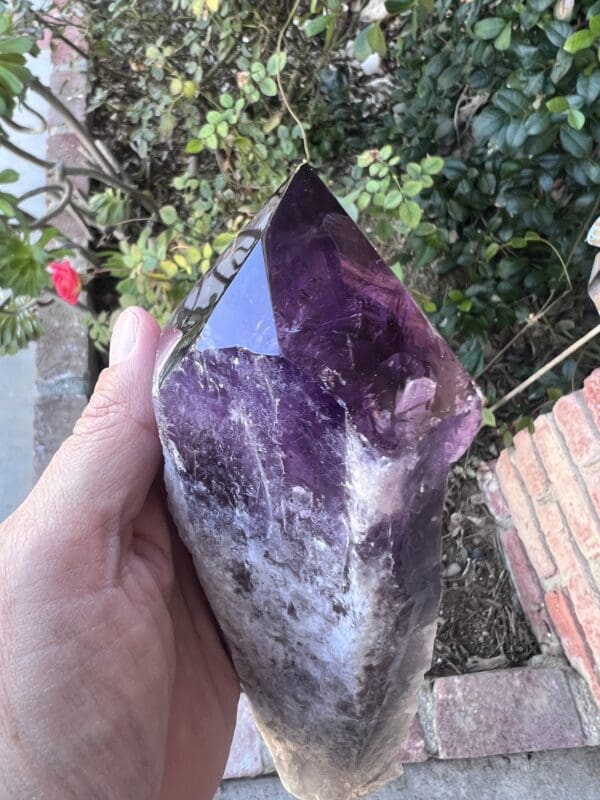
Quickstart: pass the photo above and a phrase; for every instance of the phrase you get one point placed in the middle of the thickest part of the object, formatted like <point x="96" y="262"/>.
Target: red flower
<point x="66" y="281"/>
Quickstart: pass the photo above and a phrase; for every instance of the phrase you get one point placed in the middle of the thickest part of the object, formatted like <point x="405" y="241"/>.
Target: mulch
<point x="481" y="624"/>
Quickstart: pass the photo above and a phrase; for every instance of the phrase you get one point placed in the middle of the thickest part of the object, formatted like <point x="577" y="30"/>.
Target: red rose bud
<point x="66" y="280"/>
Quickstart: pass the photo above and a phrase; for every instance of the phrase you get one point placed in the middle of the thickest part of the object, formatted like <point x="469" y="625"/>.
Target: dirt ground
<point x="481" y="624"/>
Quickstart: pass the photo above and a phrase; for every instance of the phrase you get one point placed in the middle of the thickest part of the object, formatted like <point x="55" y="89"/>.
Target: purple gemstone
<point x="309" y="416"/>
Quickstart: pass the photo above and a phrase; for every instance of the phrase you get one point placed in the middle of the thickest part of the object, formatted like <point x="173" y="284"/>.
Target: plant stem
<point x="284" y="99"/>
<point x="547" y="367"/>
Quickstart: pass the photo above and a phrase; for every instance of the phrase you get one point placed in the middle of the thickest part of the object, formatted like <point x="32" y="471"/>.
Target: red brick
<point x="591" y="395"/>
<point x="569" y="489"/>
<point x="574" y="571"/>
<point x="414" y="749"/>
<point x="573" y="638"/>
<point x="580" y="434"/>
<point x="530" y="592"/>
<point x="524" y="517"/>
<point x="526" y="460"/>
<point x="507" y="711"/>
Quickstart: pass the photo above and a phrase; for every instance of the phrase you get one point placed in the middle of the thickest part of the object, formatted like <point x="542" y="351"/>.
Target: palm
<point x="205" y="693"/>
<point x="205" y="690"/>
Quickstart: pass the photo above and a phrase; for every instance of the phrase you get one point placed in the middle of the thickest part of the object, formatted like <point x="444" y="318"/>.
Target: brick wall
<point x="64" y="359"/>
<point x="551" y="483"/>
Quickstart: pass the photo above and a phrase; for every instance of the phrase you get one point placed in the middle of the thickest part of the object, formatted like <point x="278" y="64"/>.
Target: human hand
<point x="113" y="680"/>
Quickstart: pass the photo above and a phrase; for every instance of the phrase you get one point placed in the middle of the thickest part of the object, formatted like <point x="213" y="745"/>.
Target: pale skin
<point x="113" y="680"/>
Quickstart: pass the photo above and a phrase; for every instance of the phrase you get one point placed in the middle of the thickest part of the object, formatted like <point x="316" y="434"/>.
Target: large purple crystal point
<point x="309" y="416"/>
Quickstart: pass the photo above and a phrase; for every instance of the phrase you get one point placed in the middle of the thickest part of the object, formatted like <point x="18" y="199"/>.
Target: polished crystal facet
<point x="309" y="416"/>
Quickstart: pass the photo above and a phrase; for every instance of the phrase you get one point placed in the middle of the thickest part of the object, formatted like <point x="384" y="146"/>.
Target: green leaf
<point x="511" y="101"/>
<point x="489" y="28"/>
<point x="16" y="45"/>
<point x="487" y="418"/>
<point x="588" y="86"/>
<point x="398" y="6"/>
<point x="226" y="100"/>
<point x="8" y="176"/>
<point x="577" y="143"/>
<point x="558" y="105"/>
<point x="222" y="242"/>
<point x="576" y="119"/>
<point x="376" y="39"/>
<point x="563" y="64"/>
<point x="487" y="123"/>
<point x="316" y="25"/>
<point x="490" y="251"/>
<point x="412" y="188"/>
<point x="5" y="23"/>
<point x="361" y="49"/>
<point x="410" y="214"/>
<point x="432" y="165"/>
<point x="385" y="152"/>
<point x="393" y="199"/>
<point x="258" y="71"/>
<point x="268" y="87"/>
<point x="12" y="83"/>
<point x="502" y="42"/>
<point x="579" y="41"/>
<point x="276" y="63"/>
<point x="168" y="215"/>
<point x="194" y="146"/>
<point x="537" y="122"/>
<point x="594" y="23"/>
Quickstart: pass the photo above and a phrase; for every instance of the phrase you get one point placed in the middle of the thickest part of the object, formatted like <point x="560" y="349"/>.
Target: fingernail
<point x="124" y="337"/>
<point x="168" y="339"/>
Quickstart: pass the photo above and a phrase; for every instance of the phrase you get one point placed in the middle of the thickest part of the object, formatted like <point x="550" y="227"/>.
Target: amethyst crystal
<point x="309" y="415"/>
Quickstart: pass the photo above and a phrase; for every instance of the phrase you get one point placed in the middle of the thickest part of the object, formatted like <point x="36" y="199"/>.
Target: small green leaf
<point x="594" y="23"/>
<point x="176" y="86"/>
<point x="393" y="199"/>
<point x="491" y="250"/>
<point x="376" y="39"/>
<point x="502" y="42"/>
<point x="410" y="214"/>
<point x="412" y="188"/>
<point x="488" y="418"/>
<point x="268" y="87"/>
<point x="432" y="165"/>
<point x="168" y="215"/>
<point x="575" y="142"/>
<point x="362" y="49"/>
<point x="576" y="119"/>
<point x="386" y="152"/>
<point x="579" y="41"/>
<point x="17" y="45"/>
<point x="226" y="100"/>
<point x="316" y="25"/>
<point x="258" y="71"/>
<point x="558" y="105"/>
<point x="489" y="28"/>
<point x="398" y="6"/>
<point x="276" y="63"/>
<point x="194" y="146"/>
<point x="222" y="242"/>
<point x="9" y="176"/>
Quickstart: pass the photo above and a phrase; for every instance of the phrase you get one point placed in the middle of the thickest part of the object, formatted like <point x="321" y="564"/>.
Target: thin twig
<point x="284" y="99"/>
<point x="547" y="367"/>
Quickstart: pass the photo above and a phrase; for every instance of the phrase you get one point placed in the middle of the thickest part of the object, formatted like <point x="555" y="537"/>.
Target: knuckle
<point x="104" y="412"/>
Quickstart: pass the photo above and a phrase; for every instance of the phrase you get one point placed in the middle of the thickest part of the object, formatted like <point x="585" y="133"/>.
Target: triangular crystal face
<point x="309" y="417"/>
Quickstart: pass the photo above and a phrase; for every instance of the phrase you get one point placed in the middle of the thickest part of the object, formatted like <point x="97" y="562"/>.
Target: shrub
<point x="470" y="153"/>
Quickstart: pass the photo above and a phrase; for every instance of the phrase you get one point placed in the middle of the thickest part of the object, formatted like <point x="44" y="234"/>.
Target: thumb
<point x="101" y="475"/>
